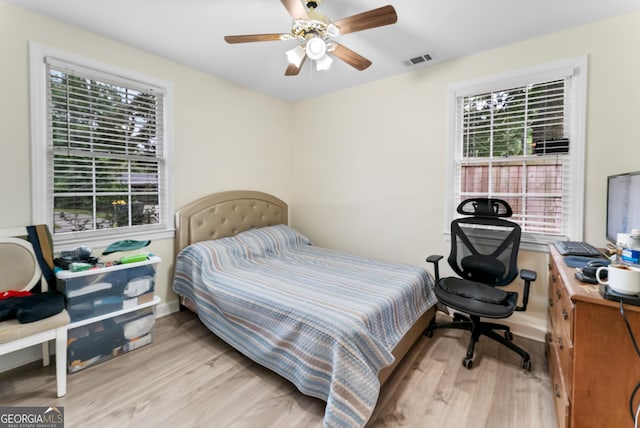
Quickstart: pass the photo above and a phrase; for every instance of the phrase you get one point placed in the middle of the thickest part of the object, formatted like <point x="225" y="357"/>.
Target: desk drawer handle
<point x="550" y="301"/>
<point x="558" y="294"/>
<point x="565" y="314"/>
<point x="557" y="390"/>
<point x="560" y="343"/>
<point x="553" y="278"/>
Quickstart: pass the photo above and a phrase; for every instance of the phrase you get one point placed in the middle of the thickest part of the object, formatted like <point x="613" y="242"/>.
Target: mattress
<point x="324" y="319"/>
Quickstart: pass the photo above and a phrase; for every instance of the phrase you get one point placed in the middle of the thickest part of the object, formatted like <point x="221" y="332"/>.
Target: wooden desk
<point x="594" y="366"/>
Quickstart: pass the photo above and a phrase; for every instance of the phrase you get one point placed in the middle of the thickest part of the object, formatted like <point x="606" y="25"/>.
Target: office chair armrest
<point x="435" y="259"/>
<point x="528" y="276"/>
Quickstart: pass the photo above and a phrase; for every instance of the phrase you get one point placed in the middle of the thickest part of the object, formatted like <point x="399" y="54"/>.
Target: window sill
<point x="527" y="243"/>
<point x="68" y="243"/>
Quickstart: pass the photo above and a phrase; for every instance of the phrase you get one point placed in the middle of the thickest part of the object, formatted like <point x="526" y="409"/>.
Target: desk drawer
<point x="558" y="386"/>
<point x="564" y="350"/>
<point x="561" y="308"/>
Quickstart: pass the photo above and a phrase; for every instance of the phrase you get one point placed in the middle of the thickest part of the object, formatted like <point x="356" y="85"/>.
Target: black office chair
<point x="484" y="252"/>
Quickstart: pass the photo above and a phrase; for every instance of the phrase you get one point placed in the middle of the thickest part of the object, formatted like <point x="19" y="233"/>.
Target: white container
<point x="92" y="343"/>
<point x="631" y="250"/>
<point x="621" y="278"/>
<point x="95" y="292"/>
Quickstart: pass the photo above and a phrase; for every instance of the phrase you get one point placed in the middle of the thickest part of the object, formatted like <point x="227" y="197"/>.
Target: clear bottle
<point x="631" y="250"/>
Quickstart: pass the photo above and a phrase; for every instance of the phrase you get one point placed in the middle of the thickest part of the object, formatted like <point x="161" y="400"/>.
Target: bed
<point x="334" y="324"/>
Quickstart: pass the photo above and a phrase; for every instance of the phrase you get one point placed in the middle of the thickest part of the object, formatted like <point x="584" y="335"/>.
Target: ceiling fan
<point x="316" y="32"/>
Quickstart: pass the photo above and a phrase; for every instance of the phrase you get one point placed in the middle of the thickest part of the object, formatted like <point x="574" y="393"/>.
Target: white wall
<point x="214" y="148"/>
<point x="373" y="180"/>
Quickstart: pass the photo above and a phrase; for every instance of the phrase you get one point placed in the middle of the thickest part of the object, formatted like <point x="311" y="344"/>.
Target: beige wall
<point x="373" y="180"/>
<point x="214" y="148"/>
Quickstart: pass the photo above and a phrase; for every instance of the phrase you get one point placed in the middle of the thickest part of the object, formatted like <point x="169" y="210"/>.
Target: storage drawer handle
<point x="560" y="343"/>
<point x="565" y="314"/>
<point x="557" y="390"/>
<point x="550" y="301"/>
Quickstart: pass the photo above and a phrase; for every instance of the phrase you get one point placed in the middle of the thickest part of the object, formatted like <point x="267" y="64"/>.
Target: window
<point x="520" y="137"/>
<point x="101" y="150"/>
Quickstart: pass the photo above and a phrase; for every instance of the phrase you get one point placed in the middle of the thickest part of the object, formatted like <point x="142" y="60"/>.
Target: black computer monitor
<point x="623" y="204"/>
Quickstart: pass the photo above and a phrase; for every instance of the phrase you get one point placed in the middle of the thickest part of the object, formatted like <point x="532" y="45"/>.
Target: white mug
<point x="621" y="278"/>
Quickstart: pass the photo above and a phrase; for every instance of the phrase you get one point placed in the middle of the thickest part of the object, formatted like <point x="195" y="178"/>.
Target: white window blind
<point x="520" y="137"/>
<point x="106" y="151"/>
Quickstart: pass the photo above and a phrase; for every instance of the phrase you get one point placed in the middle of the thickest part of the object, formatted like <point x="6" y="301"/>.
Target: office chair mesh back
<point x="484" y="252"/>
<point x="485" y="249"/>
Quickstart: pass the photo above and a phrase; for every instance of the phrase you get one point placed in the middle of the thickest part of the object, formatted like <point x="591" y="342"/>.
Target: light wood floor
<point x="189" y="378"/>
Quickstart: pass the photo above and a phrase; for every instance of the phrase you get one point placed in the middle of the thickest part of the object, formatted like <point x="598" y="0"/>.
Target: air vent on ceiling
<point x="420" y="59"/>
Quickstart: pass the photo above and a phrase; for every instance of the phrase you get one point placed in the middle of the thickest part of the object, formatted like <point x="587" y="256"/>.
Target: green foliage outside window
<point x="105" y="154"/>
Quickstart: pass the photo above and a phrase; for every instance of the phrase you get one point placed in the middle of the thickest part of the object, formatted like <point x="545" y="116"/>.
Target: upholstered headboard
<point x="225" y="214"/>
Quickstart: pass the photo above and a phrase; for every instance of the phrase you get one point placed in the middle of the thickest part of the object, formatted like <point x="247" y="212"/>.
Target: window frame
<point x="41" y="198"/>
<point x="576" y="69"/>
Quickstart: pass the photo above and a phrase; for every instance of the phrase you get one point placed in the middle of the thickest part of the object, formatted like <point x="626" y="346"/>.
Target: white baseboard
<point x="529" y="325"/>
<point x="166" y="308"/>
<point x="522" y="324"/>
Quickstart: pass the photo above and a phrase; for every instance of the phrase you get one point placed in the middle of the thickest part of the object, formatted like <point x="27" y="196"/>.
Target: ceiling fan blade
<point x="352" y="58"/>
<point x="384" y="15"/>
<point x="292" y="70"/>
<point x="296" y="9"/>
<point x="247" y="38"/>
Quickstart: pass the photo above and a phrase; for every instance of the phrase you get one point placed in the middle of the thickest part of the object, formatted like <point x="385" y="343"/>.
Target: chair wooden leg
<point x="45" y="353"/>
<point x="61" y="360"/>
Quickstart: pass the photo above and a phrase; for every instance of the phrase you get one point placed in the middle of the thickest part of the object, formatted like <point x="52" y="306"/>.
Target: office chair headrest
<point x="485" y="207"/>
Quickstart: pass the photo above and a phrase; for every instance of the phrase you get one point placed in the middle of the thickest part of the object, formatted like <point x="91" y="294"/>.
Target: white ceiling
<point x="191" y="32"/>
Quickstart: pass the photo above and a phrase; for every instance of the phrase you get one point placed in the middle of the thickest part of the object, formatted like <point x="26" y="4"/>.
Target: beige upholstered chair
<point x="19" y="270"/>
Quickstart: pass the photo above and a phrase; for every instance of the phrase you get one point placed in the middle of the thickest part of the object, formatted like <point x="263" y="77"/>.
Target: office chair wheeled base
<point x="477" y="329"/>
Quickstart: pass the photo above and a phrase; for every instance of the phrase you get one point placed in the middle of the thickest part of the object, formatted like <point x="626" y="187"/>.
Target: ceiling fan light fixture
<point x="324" y="63"/>
<point x="296" y="55"/>
<point x="332" y="30"/>
<point x="315" y="31"/>
<point x="315" y="48"/>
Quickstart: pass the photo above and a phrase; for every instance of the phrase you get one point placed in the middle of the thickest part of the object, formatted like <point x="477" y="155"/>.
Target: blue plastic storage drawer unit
<point x="93" y="343"/>
<point x="99" y="291"/>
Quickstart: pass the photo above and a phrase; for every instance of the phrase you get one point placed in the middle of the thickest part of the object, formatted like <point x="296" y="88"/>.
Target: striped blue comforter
<point x="326" y="320"/>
